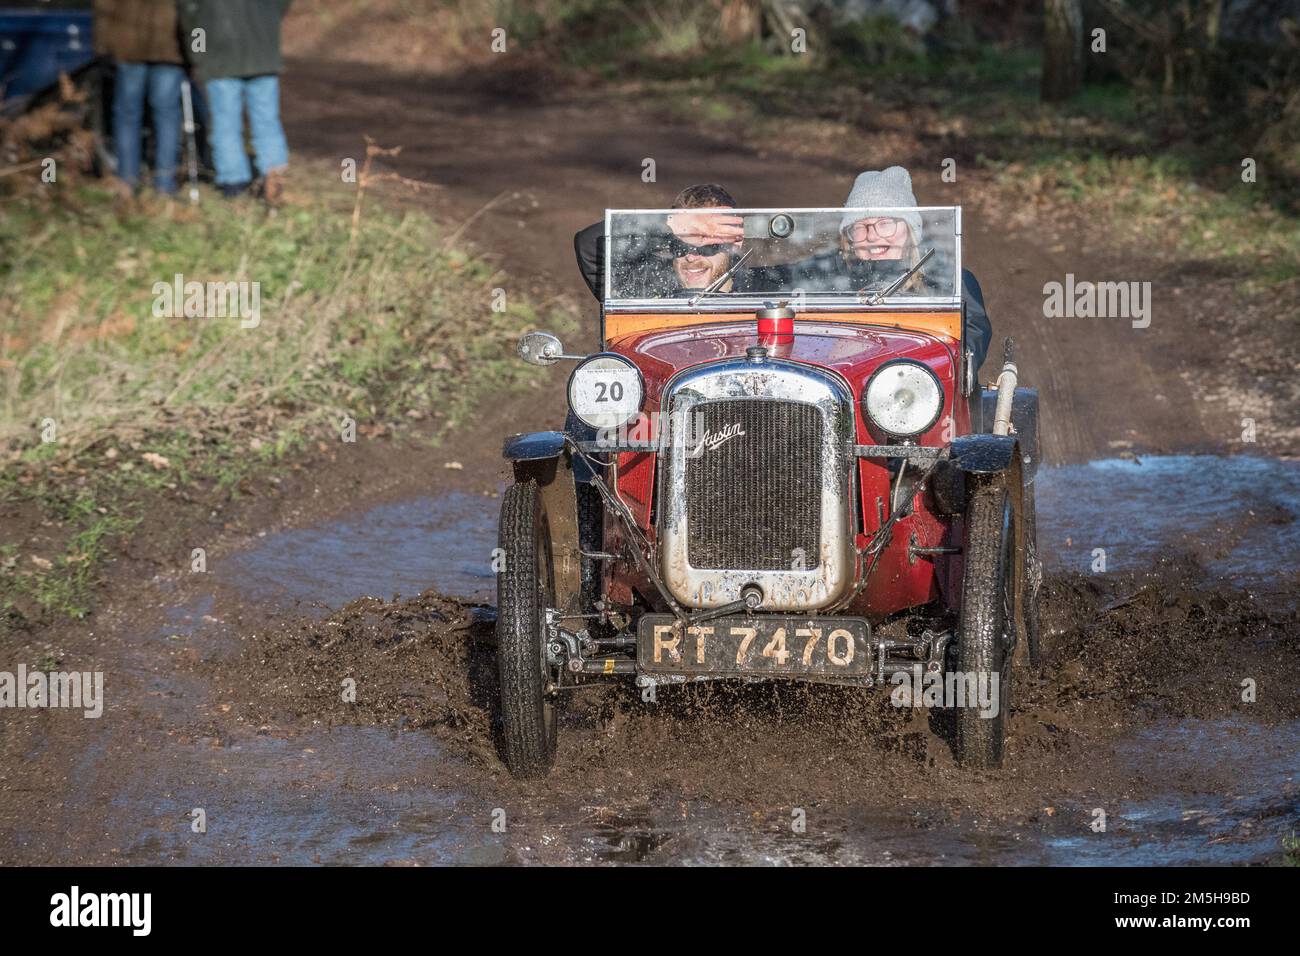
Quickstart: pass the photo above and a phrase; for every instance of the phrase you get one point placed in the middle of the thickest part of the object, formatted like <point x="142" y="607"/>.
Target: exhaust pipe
<point x="1006" y="389"/>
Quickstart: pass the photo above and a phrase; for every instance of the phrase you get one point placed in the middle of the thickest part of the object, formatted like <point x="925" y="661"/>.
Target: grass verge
<point x="1290" y="850"/>
<point x="110" y="395"/>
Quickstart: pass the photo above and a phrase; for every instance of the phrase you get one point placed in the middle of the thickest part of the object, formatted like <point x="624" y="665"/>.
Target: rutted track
<point x="225" y="691"/>
<point x="237" y="682"/>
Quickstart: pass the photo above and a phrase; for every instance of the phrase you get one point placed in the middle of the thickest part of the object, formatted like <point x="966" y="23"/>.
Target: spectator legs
<point x="128" y="116"/>
<point x="262" y="97"/>
<point x="165" y="108"/>
<point x="226" y="109"/>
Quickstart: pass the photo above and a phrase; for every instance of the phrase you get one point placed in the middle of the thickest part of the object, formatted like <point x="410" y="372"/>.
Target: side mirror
<point x="542" y="348"/>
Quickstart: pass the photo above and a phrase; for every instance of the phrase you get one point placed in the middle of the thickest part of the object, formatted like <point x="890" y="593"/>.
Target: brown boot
<point x="123" y="194"/>
<point x="273" y="187"/>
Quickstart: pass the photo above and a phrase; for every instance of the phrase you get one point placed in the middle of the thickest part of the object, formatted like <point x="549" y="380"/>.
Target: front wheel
<point x="525" y="589"/>
<point x="985" y="633"/>
<point x="1033" y="581"/>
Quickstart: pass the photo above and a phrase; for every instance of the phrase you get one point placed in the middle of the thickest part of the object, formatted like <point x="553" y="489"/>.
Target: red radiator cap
<point x="775" y="325"/>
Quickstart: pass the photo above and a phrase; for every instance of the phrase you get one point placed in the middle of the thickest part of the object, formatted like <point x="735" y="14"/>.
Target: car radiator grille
<point x="754" y="495"/>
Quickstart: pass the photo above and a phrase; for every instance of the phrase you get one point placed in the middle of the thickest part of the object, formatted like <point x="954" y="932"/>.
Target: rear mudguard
<point x="541" y="457"/>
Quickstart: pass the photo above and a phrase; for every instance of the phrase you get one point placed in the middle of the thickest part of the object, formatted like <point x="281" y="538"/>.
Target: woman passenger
<point x="876" y="250"/>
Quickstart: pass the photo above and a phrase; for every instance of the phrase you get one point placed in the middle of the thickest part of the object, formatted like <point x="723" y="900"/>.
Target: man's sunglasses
<point x="677" y="249"/>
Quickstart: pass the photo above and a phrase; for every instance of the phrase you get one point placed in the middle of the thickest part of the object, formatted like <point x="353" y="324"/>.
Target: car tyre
<point x="1033" y="581"/>
<point x="525" y="589"/>
<point x="986" y="635"/>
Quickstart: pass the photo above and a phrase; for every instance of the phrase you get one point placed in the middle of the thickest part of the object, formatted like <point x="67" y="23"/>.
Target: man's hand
<point x="705" y="228"/>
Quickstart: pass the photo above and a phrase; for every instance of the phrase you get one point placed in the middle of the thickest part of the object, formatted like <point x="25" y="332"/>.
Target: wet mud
<point x="321" y="704"/>
<point x="1139" y="717"/>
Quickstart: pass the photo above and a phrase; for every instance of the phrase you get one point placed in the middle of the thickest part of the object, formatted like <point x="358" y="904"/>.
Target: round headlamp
<point x="605" y="391"/>
<point x="903" y="398"/>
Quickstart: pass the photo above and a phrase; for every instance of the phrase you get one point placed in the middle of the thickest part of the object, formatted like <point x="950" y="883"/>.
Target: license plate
<point x="817" y="648"/>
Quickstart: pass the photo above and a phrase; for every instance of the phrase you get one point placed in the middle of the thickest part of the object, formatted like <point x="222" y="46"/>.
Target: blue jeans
<point x="227" y="99"/>
<point x="161" y="82"/>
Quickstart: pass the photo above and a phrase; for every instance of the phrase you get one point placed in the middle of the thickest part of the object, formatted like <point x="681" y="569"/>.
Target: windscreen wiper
<point x="875" y="298"/>
<point x="722" y="279"/>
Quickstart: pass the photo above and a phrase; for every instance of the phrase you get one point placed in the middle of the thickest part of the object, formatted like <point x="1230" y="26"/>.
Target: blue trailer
<point x="43" y="39"/>
<point x="38" y="41"/>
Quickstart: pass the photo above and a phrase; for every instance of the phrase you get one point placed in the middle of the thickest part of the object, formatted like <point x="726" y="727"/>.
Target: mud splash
<point x="1139" y="713"/>
<point x="1183" y="770"/>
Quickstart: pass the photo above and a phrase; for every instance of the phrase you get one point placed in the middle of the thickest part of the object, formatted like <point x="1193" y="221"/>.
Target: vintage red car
<point x="780" y="466"/>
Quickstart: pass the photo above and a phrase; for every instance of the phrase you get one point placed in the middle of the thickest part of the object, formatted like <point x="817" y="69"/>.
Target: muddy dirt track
<point x="224" y="693"/>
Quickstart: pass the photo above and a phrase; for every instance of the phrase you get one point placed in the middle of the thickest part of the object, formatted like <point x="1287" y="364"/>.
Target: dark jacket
<point x="241" y="37"/>
<point x="978" y="332"/>
<point x="137" y="31"/>
<point x="589" y="247"/>
<point x="829" y="270"/>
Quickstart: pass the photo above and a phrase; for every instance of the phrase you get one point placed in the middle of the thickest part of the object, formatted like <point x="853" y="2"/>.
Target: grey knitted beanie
<point x="884" y="189"/>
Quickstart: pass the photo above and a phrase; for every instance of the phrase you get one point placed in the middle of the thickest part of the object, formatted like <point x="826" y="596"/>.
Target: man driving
<point x="695" y="250"/>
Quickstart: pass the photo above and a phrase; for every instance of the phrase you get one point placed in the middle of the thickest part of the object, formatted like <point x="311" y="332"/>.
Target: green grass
<point x="1231" y="226"/>
<point x="394" y="328"/>
<point x="371" y="333"/>
<point x="1291" y="850"/>
<point x="67" y="587"/>
<point x="64" y="585"/>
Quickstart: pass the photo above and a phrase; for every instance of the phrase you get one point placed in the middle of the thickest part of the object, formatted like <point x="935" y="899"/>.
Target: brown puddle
<point x="1138" y="714"/>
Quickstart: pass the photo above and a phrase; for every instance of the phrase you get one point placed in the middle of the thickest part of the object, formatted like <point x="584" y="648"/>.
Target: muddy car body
<point x="789" y="474"/>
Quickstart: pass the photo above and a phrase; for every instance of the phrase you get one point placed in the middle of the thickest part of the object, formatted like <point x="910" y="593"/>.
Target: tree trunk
<point x="739" y="20"/>
<point x="1062" y="49"/>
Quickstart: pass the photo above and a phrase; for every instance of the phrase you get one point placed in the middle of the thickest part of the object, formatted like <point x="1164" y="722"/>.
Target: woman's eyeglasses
<point x="884" y="228"/>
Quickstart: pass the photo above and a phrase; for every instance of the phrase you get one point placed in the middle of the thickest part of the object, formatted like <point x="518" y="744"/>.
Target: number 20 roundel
<point x="605" y="391"/>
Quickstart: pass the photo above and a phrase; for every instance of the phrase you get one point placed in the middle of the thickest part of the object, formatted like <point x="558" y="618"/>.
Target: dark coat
<point x="241" y="37"/>
<point x="137" y="31"/>
<point x="978" y="332"/>
<point x="589" y="247"/>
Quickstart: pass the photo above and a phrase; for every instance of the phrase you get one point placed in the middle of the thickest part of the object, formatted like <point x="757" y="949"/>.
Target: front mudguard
<point x="983" y="454"/>
<point x="543" y="458"/>
<point x="539" y="446"/>
<point x="985" y="459"/>
<point x="533" y="446"/>
<point x="1024" y="422"/>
